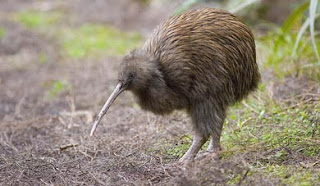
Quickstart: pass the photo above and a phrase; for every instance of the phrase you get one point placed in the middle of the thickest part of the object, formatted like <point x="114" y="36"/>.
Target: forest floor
<point x="58" y="65"/>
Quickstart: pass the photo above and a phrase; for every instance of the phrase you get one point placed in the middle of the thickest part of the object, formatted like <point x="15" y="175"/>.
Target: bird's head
<point x="136" y="73"/>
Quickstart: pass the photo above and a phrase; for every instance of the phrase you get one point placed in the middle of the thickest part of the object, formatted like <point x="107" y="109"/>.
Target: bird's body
<point x="202" y="61"/>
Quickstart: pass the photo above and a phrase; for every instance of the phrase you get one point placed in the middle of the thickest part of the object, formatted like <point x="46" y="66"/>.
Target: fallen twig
<point x="67" y="146"/>
<point x="244" y="176"/>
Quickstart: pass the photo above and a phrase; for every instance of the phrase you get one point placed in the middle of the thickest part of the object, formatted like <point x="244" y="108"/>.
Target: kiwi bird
<point x="202" y="61"/>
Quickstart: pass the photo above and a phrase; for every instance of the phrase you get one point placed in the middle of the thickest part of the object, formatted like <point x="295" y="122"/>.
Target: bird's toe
<point x="207" y="155"/>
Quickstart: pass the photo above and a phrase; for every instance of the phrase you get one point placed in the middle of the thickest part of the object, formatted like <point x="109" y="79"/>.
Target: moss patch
<point x="54" y="88"/>
<point x="93" y="39"/>
<point x="36" y="19"/>
<point x="290" y="177"/>
<point x="2" y="32"/>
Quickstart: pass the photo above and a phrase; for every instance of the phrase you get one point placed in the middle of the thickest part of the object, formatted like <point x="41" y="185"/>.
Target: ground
<point x="58" y="64"/>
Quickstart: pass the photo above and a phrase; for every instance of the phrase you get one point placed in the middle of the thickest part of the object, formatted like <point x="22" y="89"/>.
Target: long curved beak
<point x="119" y="88"/>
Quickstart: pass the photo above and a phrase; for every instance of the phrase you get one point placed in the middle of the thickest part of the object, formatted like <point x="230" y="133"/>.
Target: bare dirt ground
<point x="46" y="141"/>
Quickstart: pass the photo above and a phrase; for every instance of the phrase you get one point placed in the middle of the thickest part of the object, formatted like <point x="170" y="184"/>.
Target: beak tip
<point x="92" y="132"/>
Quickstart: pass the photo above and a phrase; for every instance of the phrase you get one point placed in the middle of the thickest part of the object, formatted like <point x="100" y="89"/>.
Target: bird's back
<point x="206" y="52"/>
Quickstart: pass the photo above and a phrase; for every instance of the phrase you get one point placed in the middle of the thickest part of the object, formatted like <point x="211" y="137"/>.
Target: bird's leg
<point x="198" y="141"/>
<point x="214" y="144"/>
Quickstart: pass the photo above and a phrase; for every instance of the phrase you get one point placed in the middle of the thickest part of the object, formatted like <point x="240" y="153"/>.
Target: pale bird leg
<point x="198" y="141"/>
<point x="214" y="145"/>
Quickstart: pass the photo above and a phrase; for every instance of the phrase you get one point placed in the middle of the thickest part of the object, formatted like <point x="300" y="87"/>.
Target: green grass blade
<point x="2" y="32"/>
<point x="300" y="34"/>
<point x="312" y="14"/>
<point x="294" y="17"/>
<point x="286" y="28"/>
<point x="186" y="5"/>
<point x="243" y="5"/>
<point x="240" y="5"/>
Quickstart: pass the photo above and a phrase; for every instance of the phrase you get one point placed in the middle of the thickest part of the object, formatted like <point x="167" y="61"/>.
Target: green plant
<point x="2" y="32"/>
<point x="36" y="19"/>
<point x="54" y="88"/>
<point x="180" y="148"/>
<point x="288" y="177"/>
<point x="43" y="58"/>
<point x="308" y="22"/>
<point x="93" y="39"/>
<point x="186" y="5"/>
<point x="312" y="18"/>
<point x="228" y="5"/>
<point x="289" y="43"/>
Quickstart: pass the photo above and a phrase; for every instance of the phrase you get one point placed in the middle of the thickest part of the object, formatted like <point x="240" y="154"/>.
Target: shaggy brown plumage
<point x="202" y="61"/>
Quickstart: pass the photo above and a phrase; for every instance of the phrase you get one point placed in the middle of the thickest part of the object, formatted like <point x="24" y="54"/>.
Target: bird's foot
<point x="185" y="163"/>
<point x="186" y="159"/>
<point x="208" y="155"/>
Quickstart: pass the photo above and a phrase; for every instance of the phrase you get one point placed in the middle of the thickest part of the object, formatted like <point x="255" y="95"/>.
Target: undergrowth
<point x="2" y="32"/>
<point x="38" y="19"/>
<point x="83" y="41"/>
<point x="95" y="40"/>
